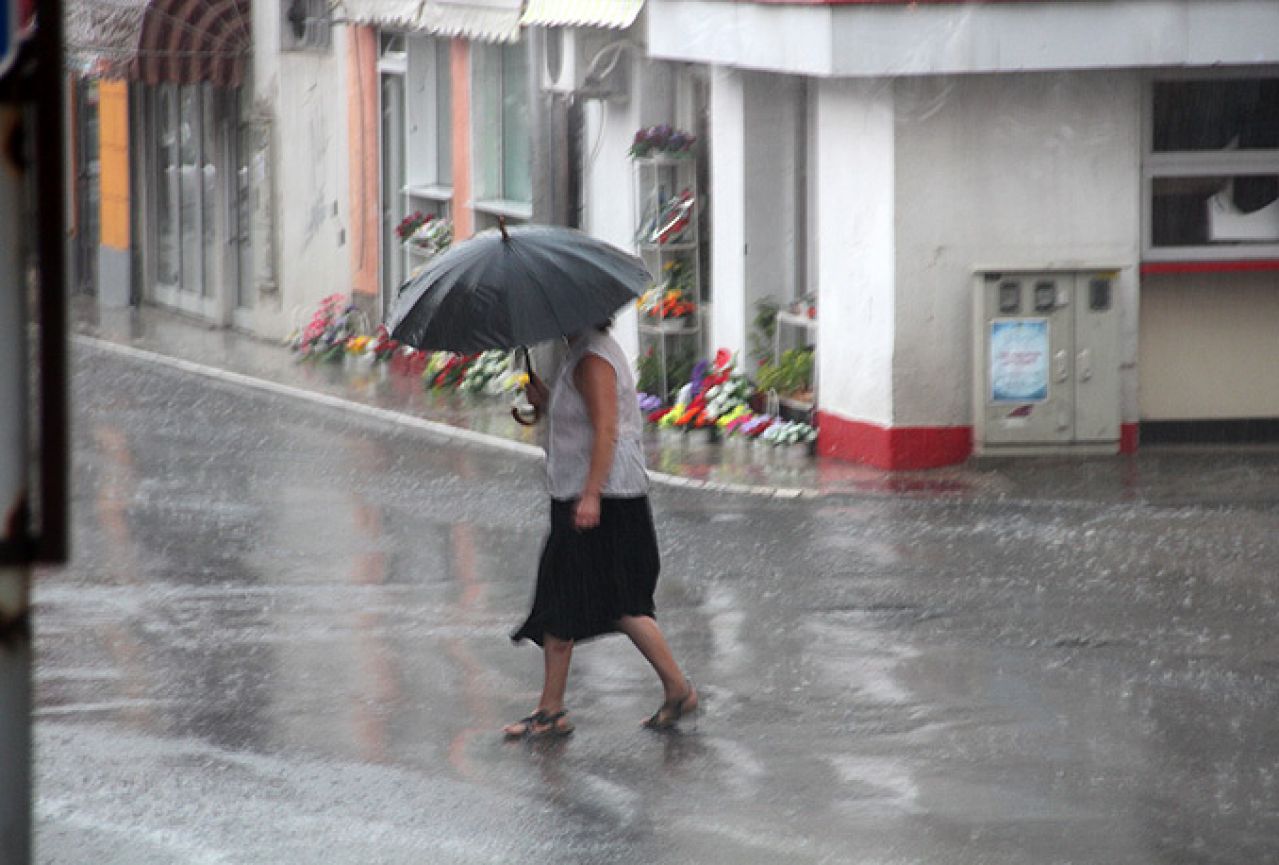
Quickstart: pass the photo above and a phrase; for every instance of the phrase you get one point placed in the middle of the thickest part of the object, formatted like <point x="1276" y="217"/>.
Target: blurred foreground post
<point x="33" y="368"/>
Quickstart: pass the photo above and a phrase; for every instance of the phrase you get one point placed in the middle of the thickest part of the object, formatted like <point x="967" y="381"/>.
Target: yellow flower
<point x="522" y="379"/>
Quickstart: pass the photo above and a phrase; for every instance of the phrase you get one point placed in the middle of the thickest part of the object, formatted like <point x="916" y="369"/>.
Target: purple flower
<point x="699" y="373"/>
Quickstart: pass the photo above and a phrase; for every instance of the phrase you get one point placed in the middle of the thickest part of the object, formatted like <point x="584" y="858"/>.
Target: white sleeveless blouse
<point x="568" y="452"/>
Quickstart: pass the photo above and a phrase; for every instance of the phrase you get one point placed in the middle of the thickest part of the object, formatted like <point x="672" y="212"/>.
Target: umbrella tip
<point x="501" y="224"/>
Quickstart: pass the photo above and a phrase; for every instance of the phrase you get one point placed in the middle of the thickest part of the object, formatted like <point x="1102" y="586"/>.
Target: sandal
<point x="540" y="724"/>
<point x="672" y="711"/>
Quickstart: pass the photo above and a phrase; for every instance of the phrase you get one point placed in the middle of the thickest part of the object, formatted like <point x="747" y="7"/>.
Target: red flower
<point x="723" y="358"/>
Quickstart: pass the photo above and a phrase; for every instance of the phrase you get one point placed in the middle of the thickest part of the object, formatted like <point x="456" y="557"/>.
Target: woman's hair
<point x="604" y="326"/>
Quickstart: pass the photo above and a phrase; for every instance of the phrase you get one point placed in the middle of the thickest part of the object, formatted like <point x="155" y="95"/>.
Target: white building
<point x="885" y="155"/>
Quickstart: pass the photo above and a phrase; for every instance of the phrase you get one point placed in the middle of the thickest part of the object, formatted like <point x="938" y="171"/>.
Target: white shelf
<point x="681" y="331"/>
<point x="803" y="321"/>
<point x="431" y="191"/>
<point x="684" y="246"/>
<point x="501" y="207"/>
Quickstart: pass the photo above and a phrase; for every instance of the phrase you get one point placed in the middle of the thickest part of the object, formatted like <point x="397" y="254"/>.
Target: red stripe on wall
<point x="1151" y="268"/>
<point x="1128" y="438"/>
<point x="892" y="447"/>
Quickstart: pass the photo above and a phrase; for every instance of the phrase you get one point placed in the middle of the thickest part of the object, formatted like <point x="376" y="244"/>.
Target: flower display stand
<point x="666" y="239"/>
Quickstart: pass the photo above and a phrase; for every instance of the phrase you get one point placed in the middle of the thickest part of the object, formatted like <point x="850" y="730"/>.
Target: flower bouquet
<point x="662" y="140"/>
<point x="490" y="373"/>
<point x="382" y="346"/>
<point x="410" y="224"/>
<point x="446" y="370"/>
<point x="666" y="309"/>
<point x="325" y="336"/>
<point x="359" y="353"/>
<point x="433" y="236"/>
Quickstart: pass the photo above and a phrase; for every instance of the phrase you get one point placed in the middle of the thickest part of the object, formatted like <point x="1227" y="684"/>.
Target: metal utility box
<point x="1046" y="361"/>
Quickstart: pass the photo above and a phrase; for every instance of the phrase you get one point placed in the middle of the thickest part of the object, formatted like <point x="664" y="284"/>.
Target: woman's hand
<point x="587" y="513"/>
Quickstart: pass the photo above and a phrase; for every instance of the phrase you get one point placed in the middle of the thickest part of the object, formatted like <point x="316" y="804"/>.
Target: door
<point x="191" y="140"/>
<point x="1050" y="358"/>
<point x="1096" y="360"/>
<point x="1029" y="340"/>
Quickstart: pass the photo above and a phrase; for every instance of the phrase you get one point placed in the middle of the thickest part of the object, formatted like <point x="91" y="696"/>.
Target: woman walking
<point x="599" y="567"/>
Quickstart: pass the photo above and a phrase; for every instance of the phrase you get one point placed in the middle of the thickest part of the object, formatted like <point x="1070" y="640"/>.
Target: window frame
<point x="1187" y="163"/>
<point x="484" y="201"/>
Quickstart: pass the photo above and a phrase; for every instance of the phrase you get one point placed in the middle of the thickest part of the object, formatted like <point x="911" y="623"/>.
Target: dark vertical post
<point x="31" y="140"/>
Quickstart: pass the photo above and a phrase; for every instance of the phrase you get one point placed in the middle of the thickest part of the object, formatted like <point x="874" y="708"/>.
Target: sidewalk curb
<point x="442" y="430"/>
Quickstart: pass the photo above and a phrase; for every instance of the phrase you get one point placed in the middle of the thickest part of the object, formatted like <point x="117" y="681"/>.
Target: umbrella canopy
<point x="511" y="287"/>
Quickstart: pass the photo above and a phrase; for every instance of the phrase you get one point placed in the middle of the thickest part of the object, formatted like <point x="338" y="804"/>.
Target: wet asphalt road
<point x="283" y="640"/>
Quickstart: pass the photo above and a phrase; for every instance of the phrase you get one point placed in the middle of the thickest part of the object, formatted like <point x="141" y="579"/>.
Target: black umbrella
<point x="515" y="287"/>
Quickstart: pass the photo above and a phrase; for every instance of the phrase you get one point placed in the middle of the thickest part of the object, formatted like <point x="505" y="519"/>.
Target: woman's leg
<point x="648" y="638"/>
<point x="556" y="655"/>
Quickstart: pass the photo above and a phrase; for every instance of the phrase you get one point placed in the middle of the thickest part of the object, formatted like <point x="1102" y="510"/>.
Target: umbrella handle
<point x="524" y="359"/>
<point x="501" y="224"/>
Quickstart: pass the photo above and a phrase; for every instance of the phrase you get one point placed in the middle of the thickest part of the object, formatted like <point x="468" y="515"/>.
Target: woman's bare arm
<point x="597" y="383"/>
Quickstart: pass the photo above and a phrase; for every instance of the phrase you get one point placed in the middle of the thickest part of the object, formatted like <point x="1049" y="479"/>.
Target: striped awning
<point x="388" y="13"/>
<point x="581" y="13"/>
<point x="478" y="20"/>
<point x="157" y="41"/>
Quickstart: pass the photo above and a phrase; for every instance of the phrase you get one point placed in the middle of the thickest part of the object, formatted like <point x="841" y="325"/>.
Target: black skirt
<point x="588" y="580"/>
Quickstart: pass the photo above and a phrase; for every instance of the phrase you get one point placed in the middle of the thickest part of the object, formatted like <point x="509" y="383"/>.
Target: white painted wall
<point x="852" y="132"/>
<point x="727" y="196"/>
<point x="305" y="95"/>
<point x="773" y="110"/>
<point x="1002" y="171"/>
<point x="874" y="40"/>
<point x="608" y="193"/>
<point x="1208" y="346"/>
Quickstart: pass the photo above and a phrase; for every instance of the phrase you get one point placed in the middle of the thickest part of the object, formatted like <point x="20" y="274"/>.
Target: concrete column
<point x="728" y="194"/>
<point x="852" y="129"/>
<point x="115" y="274"/>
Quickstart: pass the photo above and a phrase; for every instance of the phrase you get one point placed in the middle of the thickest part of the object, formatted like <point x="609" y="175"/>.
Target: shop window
<point x="1212" y="169"/>
<point x="503" y="151"/>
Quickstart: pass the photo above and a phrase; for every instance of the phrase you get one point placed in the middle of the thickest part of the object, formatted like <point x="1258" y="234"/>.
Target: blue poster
<point x="1019" y="360"/>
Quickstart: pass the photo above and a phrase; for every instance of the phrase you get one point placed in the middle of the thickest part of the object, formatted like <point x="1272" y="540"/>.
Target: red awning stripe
<point x="189" y="41"/>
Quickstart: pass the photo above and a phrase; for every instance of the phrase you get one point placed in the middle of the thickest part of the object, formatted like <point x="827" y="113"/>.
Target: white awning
<point x="394" y="13"/>
<point x="582" y="13"/>
<point x="478" y="20"/>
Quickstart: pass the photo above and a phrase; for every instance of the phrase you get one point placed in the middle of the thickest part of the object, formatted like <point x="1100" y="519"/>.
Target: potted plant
<point x="662" y="140"/>
<point x="791" y="377"/>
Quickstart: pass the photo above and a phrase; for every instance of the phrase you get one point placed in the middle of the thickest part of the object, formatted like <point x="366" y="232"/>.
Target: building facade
<point x="887" y="156"/>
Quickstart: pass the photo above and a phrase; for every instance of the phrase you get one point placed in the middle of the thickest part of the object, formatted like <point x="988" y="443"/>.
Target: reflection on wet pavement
<point x="283" y="639"/>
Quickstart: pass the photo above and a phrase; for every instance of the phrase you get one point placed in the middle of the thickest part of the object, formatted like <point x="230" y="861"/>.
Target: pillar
<point x="728" y="194"/>
<point x="115" y="287"/>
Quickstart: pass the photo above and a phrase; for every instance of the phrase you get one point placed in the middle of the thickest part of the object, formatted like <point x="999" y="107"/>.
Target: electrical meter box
<point x="1046" y="362"/>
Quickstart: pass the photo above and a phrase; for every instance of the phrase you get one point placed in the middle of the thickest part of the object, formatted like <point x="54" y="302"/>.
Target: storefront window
<point x="502" y="147"/>
<point x="166" y="178"/>
<point x="209" y="185"/>
<point x="1212" y="168"/>
<point x="189" y="187"/>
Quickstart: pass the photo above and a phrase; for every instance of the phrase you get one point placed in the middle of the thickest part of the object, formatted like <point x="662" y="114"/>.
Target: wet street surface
<point x="282" y="639"/>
